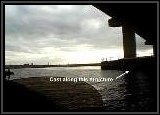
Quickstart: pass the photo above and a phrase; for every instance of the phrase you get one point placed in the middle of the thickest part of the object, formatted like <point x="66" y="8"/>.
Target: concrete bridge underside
<point x="133" y="18"/>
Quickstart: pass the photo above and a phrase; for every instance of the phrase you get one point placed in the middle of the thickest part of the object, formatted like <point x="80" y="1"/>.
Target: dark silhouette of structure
<point x="134" y="18"/>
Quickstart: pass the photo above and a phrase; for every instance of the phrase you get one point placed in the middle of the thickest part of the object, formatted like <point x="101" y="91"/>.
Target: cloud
<point x="38" y="31"/>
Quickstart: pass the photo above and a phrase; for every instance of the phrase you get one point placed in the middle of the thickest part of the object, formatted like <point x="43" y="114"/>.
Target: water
<point x="122" y="94"/>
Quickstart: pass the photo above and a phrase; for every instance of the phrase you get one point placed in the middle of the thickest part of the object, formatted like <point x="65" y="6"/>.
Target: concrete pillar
<point x="129" y="41"/>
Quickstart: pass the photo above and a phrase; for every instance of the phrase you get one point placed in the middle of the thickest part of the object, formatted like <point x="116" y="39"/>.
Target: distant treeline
<point x="44" y="66"/>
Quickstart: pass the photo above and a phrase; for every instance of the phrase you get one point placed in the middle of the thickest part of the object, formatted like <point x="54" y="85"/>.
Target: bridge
<point x="139" y="18"/>
<point x="133" y="18"/>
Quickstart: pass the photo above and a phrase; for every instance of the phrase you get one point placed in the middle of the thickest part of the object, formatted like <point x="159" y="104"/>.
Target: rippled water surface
<point x="124" y="93"/>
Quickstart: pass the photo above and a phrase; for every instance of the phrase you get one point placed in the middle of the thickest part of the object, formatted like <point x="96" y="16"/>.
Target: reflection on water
<point x="132" y="92"/>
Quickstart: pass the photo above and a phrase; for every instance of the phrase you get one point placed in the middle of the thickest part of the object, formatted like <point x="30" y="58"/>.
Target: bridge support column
<point x="129" y="41"/>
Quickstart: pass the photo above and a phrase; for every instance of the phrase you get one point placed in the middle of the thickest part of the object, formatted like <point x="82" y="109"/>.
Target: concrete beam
<point x="114" y="22"/>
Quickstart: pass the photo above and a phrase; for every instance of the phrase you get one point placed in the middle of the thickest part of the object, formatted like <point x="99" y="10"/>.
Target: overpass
<point x="139" y="18"/>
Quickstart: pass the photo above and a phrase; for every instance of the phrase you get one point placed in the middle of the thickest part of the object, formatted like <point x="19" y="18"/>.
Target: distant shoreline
<point x="46" y="66"/>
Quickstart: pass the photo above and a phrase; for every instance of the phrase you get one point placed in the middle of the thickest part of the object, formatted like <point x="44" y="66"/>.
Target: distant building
<point x="26" y="64"/>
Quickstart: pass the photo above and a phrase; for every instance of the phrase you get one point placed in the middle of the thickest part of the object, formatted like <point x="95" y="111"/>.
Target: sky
<point x="62" y="34"/>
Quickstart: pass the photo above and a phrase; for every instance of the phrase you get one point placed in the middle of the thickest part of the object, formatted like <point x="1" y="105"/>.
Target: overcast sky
<point x="61" y="34"/>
